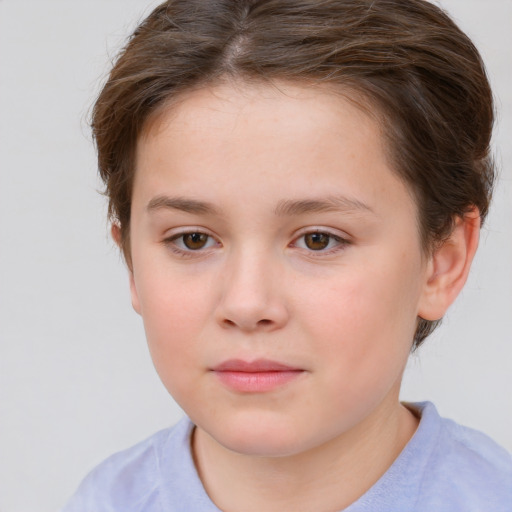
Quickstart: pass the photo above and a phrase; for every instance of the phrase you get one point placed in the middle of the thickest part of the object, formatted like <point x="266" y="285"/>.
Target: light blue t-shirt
<point x="444" y="468"/>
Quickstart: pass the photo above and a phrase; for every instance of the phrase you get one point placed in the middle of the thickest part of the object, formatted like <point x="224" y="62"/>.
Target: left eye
<point x="318" y="241"/>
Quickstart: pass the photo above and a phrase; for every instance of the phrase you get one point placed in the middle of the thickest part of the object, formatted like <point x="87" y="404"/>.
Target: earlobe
<point x="115" y="230"/>
<point x="134" y="294"/>
<point x="449" y="266"/>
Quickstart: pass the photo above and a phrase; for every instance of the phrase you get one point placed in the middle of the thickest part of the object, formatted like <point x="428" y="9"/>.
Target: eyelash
<point x="170" y="242"/>
<point x="341" y="243"/>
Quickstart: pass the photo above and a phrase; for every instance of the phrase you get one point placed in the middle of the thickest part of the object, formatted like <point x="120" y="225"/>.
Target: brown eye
<point x="195" y="241"/>
<point x="316" y="241"/>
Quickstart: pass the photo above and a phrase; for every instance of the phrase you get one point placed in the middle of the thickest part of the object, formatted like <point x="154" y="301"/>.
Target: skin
<point x="256" y="169"/>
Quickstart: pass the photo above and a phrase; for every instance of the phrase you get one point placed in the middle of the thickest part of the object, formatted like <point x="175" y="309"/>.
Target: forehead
<point x="302" y="138"/>
<point x="273" y="106"/>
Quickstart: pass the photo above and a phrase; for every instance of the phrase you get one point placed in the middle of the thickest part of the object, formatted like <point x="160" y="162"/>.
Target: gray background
<point x="76" y="382"/>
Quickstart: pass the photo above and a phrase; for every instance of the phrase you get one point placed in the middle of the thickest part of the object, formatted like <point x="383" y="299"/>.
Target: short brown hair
<point x="406" y="58"/>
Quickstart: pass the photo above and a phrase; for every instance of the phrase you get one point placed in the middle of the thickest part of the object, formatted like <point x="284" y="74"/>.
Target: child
<point x="297" y="188"/>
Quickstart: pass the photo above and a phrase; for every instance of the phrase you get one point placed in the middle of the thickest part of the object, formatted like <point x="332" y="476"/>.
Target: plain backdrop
<point x="76" y="381"/>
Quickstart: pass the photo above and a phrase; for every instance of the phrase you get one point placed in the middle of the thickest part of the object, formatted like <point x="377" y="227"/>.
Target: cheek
<point x="366" y="318"/>
<point x="171" y="301"/>
<point x="174" y="313"/>
<point x="364" y="348"/>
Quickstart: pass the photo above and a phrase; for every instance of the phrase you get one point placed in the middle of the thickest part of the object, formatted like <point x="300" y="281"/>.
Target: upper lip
<point x="259" y="365"/>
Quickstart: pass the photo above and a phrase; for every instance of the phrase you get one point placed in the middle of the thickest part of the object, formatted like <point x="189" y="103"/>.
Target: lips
<point x="260" y="365"/>
<point x="257" y="376"/>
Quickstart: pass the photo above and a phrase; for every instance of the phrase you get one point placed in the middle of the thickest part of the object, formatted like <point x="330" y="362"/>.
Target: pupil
<point x="317" y="241"/>
<point x="195" y="240"/>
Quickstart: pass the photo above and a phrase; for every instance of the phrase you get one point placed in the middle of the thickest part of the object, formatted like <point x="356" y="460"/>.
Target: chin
<point x="264" y="437"/>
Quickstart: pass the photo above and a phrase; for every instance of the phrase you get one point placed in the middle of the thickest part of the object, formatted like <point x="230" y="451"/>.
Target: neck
<point x="329" y="477"/>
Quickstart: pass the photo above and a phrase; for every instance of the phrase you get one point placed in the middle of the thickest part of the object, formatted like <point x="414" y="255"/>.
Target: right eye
<point x="191" y="241"/>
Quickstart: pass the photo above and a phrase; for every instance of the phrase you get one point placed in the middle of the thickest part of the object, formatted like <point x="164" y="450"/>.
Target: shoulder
<point x="445" y="467"/>
<point x="130" y="480"/>
<point x="465" y="468"/>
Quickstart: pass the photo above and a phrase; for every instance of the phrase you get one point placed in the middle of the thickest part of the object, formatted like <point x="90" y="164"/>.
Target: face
<point x="276" y="265"/>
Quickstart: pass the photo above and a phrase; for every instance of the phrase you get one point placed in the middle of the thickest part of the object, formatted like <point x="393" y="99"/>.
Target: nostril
<point x="264" y="322"/>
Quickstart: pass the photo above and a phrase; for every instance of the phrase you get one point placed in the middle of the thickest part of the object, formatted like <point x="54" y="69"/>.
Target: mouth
<point x="257" y="376"/>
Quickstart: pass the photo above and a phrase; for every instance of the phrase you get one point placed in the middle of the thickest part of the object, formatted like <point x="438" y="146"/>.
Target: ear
<point x="115" y="231"/>
<point x="448" y="267"/>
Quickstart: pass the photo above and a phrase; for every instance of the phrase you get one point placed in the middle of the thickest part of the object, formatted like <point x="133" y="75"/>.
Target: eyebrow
<point x="284" y="208"/>
<point x="182" y="204"/>
<point x="329" y="204"/>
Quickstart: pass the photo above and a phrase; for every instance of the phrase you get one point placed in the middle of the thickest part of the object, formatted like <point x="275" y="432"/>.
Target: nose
<point x="252" y="295"/>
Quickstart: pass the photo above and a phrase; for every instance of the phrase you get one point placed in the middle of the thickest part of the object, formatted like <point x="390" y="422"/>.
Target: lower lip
<point x="257" y="382"/>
